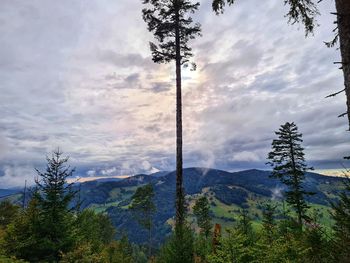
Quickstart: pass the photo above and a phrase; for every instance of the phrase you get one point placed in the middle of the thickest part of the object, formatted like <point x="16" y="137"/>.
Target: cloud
<point x="80" y="76"/>
<point x="246" y="156"/>
<point x="109" y="171"/>
<point x="15" y="176"/>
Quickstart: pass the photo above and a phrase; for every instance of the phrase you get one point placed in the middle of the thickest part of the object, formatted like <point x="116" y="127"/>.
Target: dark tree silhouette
<point x="172" y="27"/>
<point x="343" y="23"/>
<point x="305" y="12"/>
<point x="300" y="11"/>
<point x="288" y="162"/>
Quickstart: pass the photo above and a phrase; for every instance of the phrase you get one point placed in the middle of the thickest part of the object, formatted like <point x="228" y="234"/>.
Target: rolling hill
<point x="228" y="194"/>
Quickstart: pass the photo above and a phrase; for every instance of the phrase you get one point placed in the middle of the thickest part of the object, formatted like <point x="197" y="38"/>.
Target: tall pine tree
<point x="288" y="162"/>
<point x="173" y="28"/>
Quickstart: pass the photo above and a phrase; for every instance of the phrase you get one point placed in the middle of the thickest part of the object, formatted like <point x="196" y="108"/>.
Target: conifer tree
<point x="173" y="27"/>
<point x="54" y="196"/>
<point x="201" y="211"/>
<point x="288" y="162"/>
<point x="341" y="216"/>
<point x="143" y="209"/>
<point x="268" y="220"/>
<point x="8" y="212"/>
<point x="23" y="238"/>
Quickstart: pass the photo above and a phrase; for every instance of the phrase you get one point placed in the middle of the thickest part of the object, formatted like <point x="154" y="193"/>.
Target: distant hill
<point x="8" y="192"/>
<point x="228" y="193"/>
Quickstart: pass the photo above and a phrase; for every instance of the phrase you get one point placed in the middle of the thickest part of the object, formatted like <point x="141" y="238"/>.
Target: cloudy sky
<point x="78" y="75"/>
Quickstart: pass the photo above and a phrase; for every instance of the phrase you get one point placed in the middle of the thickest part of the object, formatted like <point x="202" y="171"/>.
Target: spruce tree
<point x="201" y="211"/>
<point x="341" y="228"/>
<point x="288" y="162"/>
<point x="268" y="220"/>
<point x="173" y="28"/>
<point x="143" y="209"/>
<point x="54" y="196"/>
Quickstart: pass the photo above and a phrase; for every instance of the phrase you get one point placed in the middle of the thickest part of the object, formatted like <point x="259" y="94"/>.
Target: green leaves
<point x="142" y="205"/>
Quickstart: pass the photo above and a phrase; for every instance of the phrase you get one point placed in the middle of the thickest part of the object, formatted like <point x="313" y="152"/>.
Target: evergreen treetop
<point x="288" y="162"/>
<point x="168" y="19"/>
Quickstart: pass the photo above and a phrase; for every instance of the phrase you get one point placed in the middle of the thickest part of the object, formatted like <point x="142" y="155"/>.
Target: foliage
<point x="95" y="229"/>
<point x="53" y="199"/>
<point x="201" y="211"/>
<point x="268" y="220"/>
<point x="318" y="247"/>
<point x="300" y="11"/>
<point x="8" y="212"/>
<point x="288" y="162"/>
<point x="23" y="237"/>
<point x="45" y="229"/>
<point x="202" y="246"/>
<point x="341" y="216"/>
<point x="235" y="246"/>
<point x="4" y="259"/>
<point x="177" y="250"/>
<point x="229" y="195"/>
<point x="143" y="209"/>
<point x="82" y="254"/>
<point x="118" y="252"/>
<point x="142" y="205"/>
<point x="168" y="19"/>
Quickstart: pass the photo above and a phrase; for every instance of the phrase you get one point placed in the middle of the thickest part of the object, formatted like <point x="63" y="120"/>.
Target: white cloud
<point x="15" y="176"/>
<point x="246" y="156"/>
<point x="79" y="75"/>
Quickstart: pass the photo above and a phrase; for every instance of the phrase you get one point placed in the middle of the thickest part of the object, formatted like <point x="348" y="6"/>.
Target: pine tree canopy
<point x="288" y="162"/>
<point x="164" y="18"/>
<point x="143" y="206"/>
<point x="54" y="192"/>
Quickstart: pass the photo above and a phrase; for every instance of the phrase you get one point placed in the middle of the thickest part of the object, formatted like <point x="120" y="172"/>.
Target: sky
<point x="78" y="75"/>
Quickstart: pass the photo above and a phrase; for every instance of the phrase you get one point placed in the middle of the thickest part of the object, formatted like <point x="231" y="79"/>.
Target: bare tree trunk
<point x="179" y="188"/>
<point x="343" y="20"/>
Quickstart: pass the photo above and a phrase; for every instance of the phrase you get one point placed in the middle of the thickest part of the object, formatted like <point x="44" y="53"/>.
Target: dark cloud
<point x="160" y="86"/>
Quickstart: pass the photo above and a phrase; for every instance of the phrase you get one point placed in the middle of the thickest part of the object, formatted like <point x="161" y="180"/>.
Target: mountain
<point x="9" y="192"/>
<point x="228" y="194"/>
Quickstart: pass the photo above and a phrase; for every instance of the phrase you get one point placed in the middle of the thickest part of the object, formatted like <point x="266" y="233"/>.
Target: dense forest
<point x="51" y="221"/>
